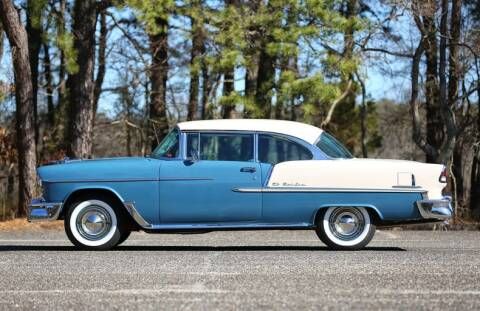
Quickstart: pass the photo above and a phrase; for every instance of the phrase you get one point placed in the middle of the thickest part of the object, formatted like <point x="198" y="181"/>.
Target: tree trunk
<point x="441" y="128"/>
<point x="434" y="132"/>
<point x="206" y="88"/>
<point x="62" y="123"/>
<point x="102" y="51"/>
<point x="196" y="53"/>
<point x="228" y="88"/>
<point x="453" y="83"/>
<point x="18" y="39"/>
<point x="47" y="66"/>
<point x="446" y="112"/>
<point x="80" y="84"/>
<point x="158" y="77"/>
<point x="128" y="117"/>
<point x="453" y="73"/>
<point x="363" y="118"/>
<point x="34" y="33"/>
<point x="475" y="173"/>
<point x="1" y="42"/>
<point x="265" y="80"/>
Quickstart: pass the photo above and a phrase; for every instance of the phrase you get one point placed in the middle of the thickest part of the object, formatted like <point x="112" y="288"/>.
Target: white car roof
<point x="306" y="132"/>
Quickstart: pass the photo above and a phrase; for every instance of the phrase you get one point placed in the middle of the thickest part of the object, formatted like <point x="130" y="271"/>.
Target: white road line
<point x="430" y="292"/>
<point x="388" y="234"/>
<point x="191" y="289"/>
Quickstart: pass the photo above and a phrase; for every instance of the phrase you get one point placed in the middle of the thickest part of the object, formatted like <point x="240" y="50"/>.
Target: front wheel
<point x="345" y="227"/>
<point x="94" y="224"/>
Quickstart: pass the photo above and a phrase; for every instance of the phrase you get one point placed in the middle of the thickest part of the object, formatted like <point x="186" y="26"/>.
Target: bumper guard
<point x="40" y="210"/>
<point x="436" y="210"/>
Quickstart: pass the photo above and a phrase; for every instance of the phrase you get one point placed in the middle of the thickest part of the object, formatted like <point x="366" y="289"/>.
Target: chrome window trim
<point x="317" y="154"/>
<point x="199" y="132"/>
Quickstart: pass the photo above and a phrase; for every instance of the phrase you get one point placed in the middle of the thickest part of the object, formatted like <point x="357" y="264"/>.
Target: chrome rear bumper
<point x="435" y="209"/>
<point x="40" y="210"/>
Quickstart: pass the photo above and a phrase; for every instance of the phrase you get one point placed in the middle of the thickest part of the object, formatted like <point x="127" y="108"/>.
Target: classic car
<point x="240" y="175"/>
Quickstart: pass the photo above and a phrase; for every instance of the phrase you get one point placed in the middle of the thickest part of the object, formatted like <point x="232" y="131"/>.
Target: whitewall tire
<point x="94" y="224"/>
<point x="345" y="227"/>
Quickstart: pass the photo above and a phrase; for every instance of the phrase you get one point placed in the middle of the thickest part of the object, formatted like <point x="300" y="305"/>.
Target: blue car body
<point x="176" y="193"/>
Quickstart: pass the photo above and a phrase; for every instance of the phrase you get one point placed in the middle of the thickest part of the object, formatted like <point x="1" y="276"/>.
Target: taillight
<point x="444" y="175"/>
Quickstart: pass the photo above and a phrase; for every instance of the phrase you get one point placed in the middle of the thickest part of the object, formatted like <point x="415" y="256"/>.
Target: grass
<point x="21" y="224"/>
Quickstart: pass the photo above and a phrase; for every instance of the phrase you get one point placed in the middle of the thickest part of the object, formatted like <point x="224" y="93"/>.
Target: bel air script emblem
<point x="286" y="184"/>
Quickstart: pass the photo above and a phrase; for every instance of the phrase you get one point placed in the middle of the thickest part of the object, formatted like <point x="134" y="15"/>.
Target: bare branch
<point x="398" y="54"/>
<point x="335" y="103"/>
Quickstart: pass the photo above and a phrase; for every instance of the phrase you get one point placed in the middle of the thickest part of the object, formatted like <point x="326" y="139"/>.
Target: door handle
<point x="248" y="170"/>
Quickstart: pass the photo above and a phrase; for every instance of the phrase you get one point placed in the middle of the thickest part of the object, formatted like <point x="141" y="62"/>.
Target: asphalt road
<point x="242" y="270"/>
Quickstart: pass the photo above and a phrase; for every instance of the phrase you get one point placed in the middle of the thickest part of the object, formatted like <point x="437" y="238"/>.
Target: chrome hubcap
<point x="94" y="222"/>
<point x="346" y="223"/>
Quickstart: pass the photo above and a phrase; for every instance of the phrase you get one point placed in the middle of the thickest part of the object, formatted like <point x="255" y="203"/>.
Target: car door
<point x="200" y="189"/>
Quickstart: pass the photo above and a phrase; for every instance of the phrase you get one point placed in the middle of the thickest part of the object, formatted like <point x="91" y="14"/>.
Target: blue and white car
<point x="240" y="175"/>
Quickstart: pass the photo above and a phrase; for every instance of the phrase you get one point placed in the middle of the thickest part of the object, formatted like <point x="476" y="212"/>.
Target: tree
<point x="80" y="83"/>
<point x="196" y="53"/>
<point x="18" y="39"/>
<point x="158" y="79"/>
<point x="230" y="58"/>
<point x="439" y="141"/>
<point x="34" y="31"/>
<point x="155" y="18"/>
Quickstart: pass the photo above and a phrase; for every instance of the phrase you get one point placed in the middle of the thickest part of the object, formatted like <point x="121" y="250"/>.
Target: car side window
<point x="274" y="149"/>
<point x="221" y="146"/>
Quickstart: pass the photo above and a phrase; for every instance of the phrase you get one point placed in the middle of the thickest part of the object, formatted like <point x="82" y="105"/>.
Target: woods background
<point x="85" y="78"/>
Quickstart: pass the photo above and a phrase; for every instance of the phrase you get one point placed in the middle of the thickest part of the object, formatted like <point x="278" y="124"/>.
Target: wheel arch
<point x="92" y="192"/>
<point x="372" y="210"/>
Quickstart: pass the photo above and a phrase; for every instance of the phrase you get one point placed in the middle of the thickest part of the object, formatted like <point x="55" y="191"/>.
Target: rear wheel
<point x="95" y="223"/>
<point x="345" y="227"/>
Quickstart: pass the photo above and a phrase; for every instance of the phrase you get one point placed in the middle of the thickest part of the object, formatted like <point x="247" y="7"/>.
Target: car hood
<point x="103" y="169"/>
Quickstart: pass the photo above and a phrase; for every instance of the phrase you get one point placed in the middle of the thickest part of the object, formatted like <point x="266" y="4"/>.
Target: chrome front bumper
<point x="435" y="210"/>
<point x="40" y="210"/>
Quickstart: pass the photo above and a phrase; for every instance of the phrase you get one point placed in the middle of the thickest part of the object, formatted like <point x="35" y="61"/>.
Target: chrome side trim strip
<point x="212" y="226"/>
<point x="130" y="206"/>
<point x="306" y="189"/>
<point x="99" y="180"/>
<point x="184" y="178"/>
<point x="127" y="180"/>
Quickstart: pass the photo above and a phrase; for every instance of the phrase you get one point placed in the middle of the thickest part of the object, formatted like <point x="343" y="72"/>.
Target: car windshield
<point x="168" y="148"/>
<point x="332" y="147"/>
